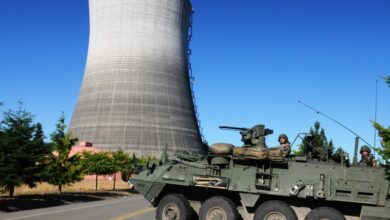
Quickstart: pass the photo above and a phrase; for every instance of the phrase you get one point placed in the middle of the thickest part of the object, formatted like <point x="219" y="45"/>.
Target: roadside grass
<point x="83" y="186"/>
<point x="46" y="195"/>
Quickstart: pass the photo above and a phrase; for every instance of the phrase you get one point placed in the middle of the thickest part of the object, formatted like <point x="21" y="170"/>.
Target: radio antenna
<point x="335" y="121"/>
<point x="376" y="112"/>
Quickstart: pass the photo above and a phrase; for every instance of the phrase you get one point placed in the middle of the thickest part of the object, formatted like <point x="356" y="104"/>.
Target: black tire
<point x="274" y="209"/>
<point x="218" y="205"/>
<point x="327" y="213"/>
<point x="174" y="205"/>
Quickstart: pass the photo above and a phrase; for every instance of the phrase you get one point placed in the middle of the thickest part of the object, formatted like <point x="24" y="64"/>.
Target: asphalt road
<point x="134" y="207"/>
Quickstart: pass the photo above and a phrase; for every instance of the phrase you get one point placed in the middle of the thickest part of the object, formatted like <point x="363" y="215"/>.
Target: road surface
<point x="134" y="207"/>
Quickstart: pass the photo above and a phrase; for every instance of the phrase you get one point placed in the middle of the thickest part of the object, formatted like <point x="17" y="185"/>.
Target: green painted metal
<point x="295" y="178"/>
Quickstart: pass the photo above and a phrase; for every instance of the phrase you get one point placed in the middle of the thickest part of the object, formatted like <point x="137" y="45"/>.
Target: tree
<point x="61" y="169"/>
<point x="330" y="149"/>
<point x="128" y="170"/>
<point x="384" y="133"/>
<point x="317" y="139"/>
<point x="22" y="150"/>
<point x="41" y="150"/>
<point x="387" y="79"/>
<point x="338" y="154"/>
<point x="122" y="163"/>
<point x="98" y="164"/>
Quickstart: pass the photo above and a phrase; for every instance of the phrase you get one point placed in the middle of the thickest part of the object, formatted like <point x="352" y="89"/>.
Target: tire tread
<point x="222" y="201"/>
<point x="325" y="212"/>
<point x="278" y="205"/>
<point x="179" y="200"/>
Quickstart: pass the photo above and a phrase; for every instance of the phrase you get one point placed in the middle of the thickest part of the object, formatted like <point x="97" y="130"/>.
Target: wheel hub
<point x="275" y="216"/>
<point x="216" y="213"/>
<point x="171" y="212"/>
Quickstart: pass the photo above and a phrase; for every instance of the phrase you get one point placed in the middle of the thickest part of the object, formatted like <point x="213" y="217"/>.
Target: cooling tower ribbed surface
<point x="136" y="93"/>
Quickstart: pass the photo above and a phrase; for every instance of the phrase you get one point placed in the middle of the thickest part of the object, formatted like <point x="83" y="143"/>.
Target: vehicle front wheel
<point x="325" y="213"/>
<point x="275" y="210"/>
<point x="174" y="207"/>
<point x="218" y="208"/>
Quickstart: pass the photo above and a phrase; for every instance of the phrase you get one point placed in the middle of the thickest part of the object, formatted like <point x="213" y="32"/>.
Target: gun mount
<point x="251" y="137"/>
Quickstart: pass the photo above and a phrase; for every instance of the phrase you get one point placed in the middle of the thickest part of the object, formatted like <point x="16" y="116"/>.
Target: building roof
<point x="82" y="147"/>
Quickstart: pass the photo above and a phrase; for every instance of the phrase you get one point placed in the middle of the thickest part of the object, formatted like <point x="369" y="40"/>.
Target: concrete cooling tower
<point x="136" y="93"/>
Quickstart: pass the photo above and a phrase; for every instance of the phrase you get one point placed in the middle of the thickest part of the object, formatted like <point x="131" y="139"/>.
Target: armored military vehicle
<point x="257" y="182"/>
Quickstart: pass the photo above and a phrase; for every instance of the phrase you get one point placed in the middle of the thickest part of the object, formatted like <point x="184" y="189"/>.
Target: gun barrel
<point x="232" y="128"/>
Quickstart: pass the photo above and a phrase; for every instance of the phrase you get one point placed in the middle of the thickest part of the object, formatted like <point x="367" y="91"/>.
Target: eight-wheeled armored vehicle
<point x="256" y="182"/>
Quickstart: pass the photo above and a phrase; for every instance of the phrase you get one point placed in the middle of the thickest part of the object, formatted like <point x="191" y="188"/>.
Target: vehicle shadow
<point x="27" y="202"/>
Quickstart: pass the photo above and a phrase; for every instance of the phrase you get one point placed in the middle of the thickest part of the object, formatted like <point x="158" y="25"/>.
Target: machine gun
<point x="251" y="137"/>
<point x="233" y="128"/>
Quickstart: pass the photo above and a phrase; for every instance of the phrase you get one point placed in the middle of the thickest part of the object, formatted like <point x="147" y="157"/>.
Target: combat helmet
<point x="283" y="136"/>
<point x="365" y="148"/>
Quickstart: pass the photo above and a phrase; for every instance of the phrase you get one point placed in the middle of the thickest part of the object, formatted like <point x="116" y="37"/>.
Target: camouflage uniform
<point x="286" y="148"/>
<point x="369" y="159"/>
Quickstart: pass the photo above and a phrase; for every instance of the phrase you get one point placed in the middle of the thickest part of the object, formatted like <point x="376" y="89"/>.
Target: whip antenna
<point x="335" y="121"/>
<point x="376" y="111"/>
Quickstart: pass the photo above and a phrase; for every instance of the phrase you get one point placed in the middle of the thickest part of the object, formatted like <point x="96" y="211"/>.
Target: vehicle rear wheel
<point x="275" y="210"/>
<point x="325" y="213"/>
<point x="218" y="208"/>
<point x="174" y="207"/>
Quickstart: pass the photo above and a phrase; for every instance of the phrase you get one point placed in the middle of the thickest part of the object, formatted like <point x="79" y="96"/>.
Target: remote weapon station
<point x="261" y="183"/>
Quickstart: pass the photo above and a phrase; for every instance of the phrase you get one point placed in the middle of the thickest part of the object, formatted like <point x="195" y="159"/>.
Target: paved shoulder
<point x="100" y="210"/>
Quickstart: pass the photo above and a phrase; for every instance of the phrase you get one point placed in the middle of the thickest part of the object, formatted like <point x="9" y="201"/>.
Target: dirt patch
<point x="27" y="202"/>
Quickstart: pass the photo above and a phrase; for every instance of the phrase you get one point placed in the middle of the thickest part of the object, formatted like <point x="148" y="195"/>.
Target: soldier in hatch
<point x="284" y="144"/>
<point x="367" y="157"/>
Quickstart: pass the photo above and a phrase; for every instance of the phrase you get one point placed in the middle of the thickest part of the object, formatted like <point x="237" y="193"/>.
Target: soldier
<point x="367" y="157"/>
<point x="284" y="144"/>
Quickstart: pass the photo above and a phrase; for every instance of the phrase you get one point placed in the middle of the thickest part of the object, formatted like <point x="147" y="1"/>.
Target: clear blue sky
<point x="252" y="61"/>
